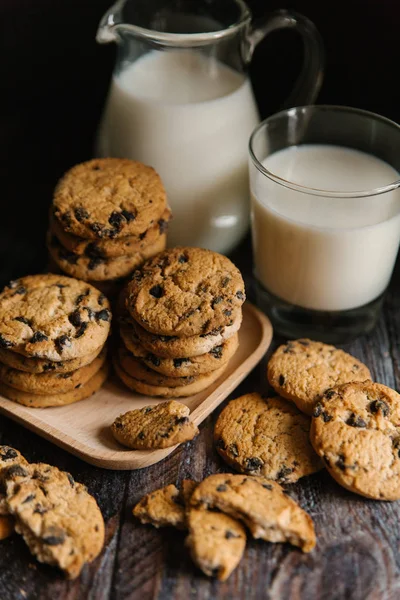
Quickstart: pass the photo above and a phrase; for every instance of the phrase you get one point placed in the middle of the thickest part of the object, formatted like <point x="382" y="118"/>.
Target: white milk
<point x="318" y="252"/>
<point x="190" y="118"/>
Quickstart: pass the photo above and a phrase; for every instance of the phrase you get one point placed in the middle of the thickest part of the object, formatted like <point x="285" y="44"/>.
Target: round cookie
<point x="40" y="365"/>
<point x="161" y="508"/>
<point x="356" y="430"/>
<point x="53" y="317"/>
<point x="110" y="248"/>
<point x="268" y="437"/>
<point x="36" y="401"/>
<point x="97" y="268"/>
<point x="109" y="198"/>
<point x="176" y="347"/>
<point x="302" y="369"/>
<point x="135" y="368"/>
<point x="186" y="367"/>
<point x="59" y="520"/>
<point x="185" y="292"/>
<point x="45" y="384"/>
<point x="154" y="427"/>
<point x="200" y="384"/>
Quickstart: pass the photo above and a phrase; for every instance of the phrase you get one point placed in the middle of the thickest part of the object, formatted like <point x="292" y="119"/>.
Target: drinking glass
<point x="325" y="218"/>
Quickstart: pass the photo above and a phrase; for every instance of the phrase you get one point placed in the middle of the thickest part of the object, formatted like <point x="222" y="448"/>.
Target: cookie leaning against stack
<point x="52" y="335"/>
<point x="180" y="316"/>
<point x="109" y="215"/>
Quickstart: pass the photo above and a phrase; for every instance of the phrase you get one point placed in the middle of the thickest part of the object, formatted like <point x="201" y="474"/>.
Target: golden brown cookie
<point x="110" y="248"/>
<point x="184" y="367"/>
<point x="53" y="317"/>
<point x="185" y="292"/>
<point x="201" y="383"/>
<point x="162" y="508"/>
<point x="302" y="369"/>
<point x="262" y="505"/>
<point x="176" y="347"/>
<point x="40" y="365"/>
<point x="216" y="542"/>
<point x="153" y="427"/>
<point x="97" y="268"/>
<point x="109" y="198"/>
<point x="35" y="401"/>
<point x="268" y="437"/>
<point x="9" y="457"/>
<point x="6" y="527"/>
<point x="139" y="370"/>
<point x="45" y="384"/>
<point x="356" y="430"/>
<point x="59" y="521"/>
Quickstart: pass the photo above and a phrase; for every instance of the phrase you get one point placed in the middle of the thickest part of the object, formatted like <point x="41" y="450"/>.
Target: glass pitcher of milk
<point x="181" y="101"/>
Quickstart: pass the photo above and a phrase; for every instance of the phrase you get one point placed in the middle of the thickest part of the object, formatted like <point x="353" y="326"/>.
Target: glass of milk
<point x="325" y="218"/>
<point x="180" y="100"/>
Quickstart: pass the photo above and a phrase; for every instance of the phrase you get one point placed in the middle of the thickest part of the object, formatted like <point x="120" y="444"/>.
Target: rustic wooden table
<point x="357" y="556"/>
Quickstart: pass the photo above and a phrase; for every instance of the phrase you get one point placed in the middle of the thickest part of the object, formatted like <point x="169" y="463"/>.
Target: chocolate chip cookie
<point x="58" y="519"/>
<point x="80" y="392"/>
<point x="45" y="384"/>
<point x="53" y="317"/>
<point x="188" y="366"/>
<point x="301" y="370"/>
<point x="40" y="365"/>
<point x="162" y="508"/>
<point x="200" y="383"/>
<point x="356" y="430"/>
<point x="216" y="542"/>
<point x="109" y="198"/>
<point x="111" y="247"/>
<point x="268" y="437"/>
<point x="152" y="427"/>
<point x="186" y="292"/>
<point x="96" y="268"/>
<point x="262" y="505"/>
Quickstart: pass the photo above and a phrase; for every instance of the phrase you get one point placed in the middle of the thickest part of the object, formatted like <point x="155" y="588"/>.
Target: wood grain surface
<point x="357" y="555"/>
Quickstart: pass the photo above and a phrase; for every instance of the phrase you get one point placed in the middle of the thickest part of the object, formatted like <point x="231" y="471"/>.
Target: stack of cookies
<point x="109" y="215"/>
<point x="52" y="335"/>
<point x="180" y="317"/>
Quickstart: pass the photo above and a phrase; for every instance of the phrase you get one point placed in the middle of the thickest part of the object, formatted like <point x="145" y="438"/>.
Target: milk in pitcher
<point x="189" y="117"/>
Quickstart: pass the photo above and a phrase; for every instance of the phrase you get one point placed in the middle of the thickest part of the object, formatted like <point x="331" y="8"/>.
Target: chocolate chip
<point x="118" y="425"/>
<point x="178" y="362"/>
<point x="93" y="251"/>
<point x="225" y="281"/>
<point x="340" y="463"/>
<point x="96" y="228"/>
<point x="379" y="406"/>
<point x="283" y="472"/>
<point x="227" y="312"/>
<point x="253" y="464"/>
<point x="39" y="509"/>
<point x="222" y="488"/>
<point x="281" y="380"/>
<point x="182" y="420"/>
<point x="49" y="367"/>
<point x="141" y="435"/>
<point x="217" y="352"/>
<point x="28" y="499"/>
<point x="220" y="444"/>
<point x="61" y="342"/>
<point x="240" y="295"/>
<point x="162" y="226"/>
<point x="101" y="299"/>
<point x="55" y="539"/>
<point x="157" y="291"/>
<point x="317" y="410"/>
<point x="96" y="168"/>
<point x="65" y="218"/>
<point x="356" y="421"/>
<point x="326" y="417"/>
<point x="70" y="479"/>
<point x="38" y="336"/>
<point x="5" y="343"/>
<point x="82" y="296"/>
<point x="229" y="534"/>
<point x="183" y="259"/>
<point x="116" y="219"/>
<point x="329" y="393"/>
<point x="304" y="343"/>
<point x="154" y="360"/>
<point x="8" y="453"/>
<point x="20" y="290"/>
<point x="103" y="315"/>
<point x="216" y="301"/>
<point x="90" y="312"/>
<point x="95" y="262"/>
<point x="129" y="216"/>
<point x="81" y="214"/>
<point x="289" y="348"/>
<point x="16" y="471"/>
<point x="75" y="318"/>
<point x="233" y="449"/>
<point x="23" y="320"/>
<point x="268" y="486"/>
<point x="147" y="409"/>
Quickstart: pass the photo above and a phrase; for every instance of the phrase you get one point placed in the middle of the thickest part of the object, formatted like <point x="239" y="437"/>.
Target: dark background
<point x="54" y="78"/>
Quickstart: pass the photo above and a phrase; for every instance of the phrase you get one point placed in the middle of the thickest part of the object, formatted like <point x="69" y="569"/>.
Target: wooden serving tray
<point x="84" y="428"/>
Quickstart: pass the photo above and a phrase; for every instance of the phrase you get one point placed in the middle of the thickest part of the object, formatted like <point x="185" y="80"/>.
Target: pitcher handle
<point x="309" y="82"/>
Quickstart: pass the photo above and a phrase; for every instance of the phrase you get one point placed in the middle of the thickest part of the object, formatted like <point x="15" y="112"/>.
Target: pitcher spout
<point x="110" y="24"/>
